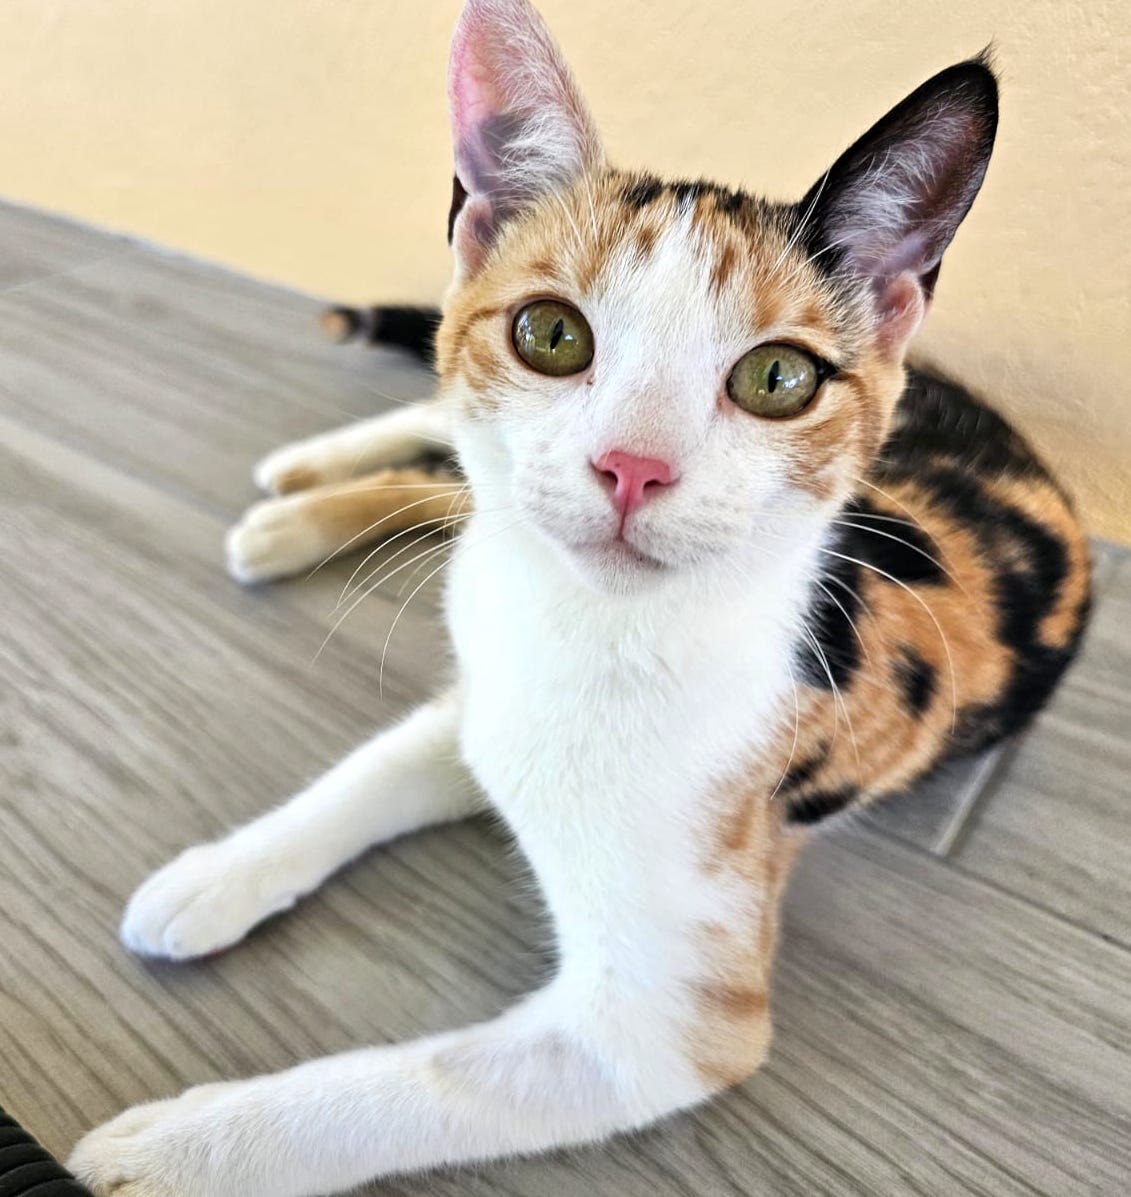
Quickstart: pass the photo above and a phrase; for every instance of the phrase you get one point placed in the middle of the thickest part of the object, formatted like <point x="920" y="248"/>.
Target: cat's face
<point x="657" y="376"/>
<point x="675" y="287"/>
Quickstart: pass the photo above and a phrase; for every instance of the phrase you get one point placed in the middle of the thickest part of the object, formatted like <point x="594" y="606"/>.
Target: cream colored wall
<point x="305" y="141"/>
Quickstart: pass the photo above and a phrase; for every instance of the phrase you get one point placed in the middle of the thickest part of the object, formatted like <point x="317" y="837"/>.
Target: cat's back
<point x="955" y="593"/>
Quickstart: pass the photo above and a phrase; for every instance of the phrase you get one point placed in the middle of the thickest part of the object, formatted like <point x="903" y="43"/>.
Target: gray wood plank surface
<point x="36" y="246"/>
<point x="182" y="373"/>
<point x="942" y="1027"/>
<point x="1056" y="828"/>
<point x="934" y="813"/>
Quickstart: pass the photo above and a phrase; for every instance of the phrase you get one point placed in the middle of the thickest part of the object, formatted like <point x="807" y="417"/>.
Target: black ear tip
<point x="987" y="58"/>
<point x="975" y="81"/>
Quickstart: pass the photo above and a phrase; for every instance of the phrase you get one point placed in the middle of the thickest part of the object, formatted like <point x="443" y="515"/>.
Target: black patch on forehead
<point x="641" y="193"/>
<point x="727" y="199"/>
<point x="730" y="201"/>
<point x="812" y="808"/>
<point x="687" y="192"/>
<point x="644" y="190"/>
<point x="918" y="678"/>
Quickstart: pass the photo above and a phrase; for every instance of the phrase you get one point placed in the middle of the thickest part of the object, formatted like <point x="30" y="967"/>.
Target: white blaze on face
<point x="664" y="347"/>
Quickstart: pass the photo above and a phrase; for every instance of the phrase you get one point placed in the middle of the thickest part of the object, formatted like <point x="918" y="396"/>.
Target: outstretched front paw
<point x="162" y="1149"/>
<point x="276" y="538"/>
<point x="205" y="900"/>
<point x="303" y="465"/>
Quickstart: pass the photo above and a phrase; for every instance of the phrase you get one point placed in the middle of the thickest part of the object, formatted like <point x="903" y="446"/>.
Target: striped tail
<point x="410" y="328"/>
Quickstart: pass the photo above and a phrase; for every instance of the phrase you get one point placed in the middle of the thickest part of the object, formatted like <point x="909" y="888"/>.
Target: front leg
<point x="661" y="1000"/>
<point x="394" y="438"/>
<point x="406" y="777"/>
<point x="566" y="1067"/>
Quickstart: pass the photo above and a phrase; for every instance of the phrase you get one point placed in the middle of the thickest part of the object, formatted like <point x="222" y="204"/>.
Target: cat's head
<point x="658" y="375"/>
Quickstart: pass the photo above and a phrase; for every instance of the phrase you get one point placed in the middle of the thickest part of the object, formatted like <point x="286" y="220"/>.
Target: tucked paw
<point x="298" y="467"/>
<point x="206" y="900"/>
<point x="274" y="539"/>
<point x="161" y="1149"/>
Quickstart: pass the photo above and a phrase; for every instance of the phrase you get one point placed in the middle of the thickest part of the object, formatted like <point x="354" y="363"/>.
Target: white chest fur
<point x="601" y="726"/>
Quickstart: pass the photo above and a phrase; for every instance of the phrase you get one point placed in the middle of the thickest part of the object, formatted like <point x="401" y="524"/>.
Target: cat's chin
<point x="617" y="567"/>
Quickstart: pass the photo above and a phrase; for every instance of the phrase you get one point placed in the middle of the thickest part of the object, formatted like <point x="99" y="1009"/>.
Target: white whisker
<point x="365" y="532"/>
<point x="423" y="530"/>
<point x="804" y="223"/>
<point x="420" y="585"/>
<point x="931" y="615"/>
<point x="796" y="733"/>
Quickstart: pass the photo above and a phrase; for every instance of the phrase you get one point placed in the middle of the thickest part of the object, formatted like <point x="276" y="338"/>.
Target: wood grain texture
<point x="933" y="815"/>
<point x="184" y="374"/>
<point x="36" y="246"/>
<point x="943" y="1027"/>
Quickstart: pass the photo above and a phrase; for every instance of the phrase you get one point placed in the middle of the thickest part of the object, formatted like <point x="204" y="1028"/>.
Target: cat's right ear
<point x="889" y="206"/>
<point x="519" y="124"/>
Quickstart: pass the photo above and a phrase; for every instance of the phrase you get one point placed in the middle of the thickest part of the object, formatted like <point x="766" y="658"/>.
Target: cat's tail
<point x="411" y="328"/>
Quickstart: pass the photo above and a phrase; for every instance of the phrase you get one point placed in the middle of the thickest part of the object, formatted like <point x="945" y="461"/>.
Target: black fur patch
<point x="688" y="192"/>
<point x="1032" y="565"/>
<point x="411" y="328"/>
<point x="937" y="422"/>
<point x="864" y="543"/>
<point x="815" y="807"/>
<point x="641" y="193"/>
<point x="946" y="441"/>
<point x="459" y="198"/>
<point x="901" y="550"/>
<point x="802" y="772"/>
<point x="833" y="607"/>
<point x="730" y="201"/>
<point x="918" y="678"/>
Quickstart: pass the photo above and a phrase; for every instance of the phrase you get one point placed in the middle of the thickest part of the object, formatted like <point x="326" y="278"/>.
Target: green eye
<point x="552" y="337"/>
<point x="775" y="381"/>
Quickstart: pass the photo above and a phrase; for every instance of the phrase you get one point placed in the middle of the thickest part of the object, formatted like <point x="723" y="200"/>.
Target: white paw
<point x="161" y="1149"/>
<point x="298" y="467"/>
<point x="206" y="900"/>
<point x="274" y="539"/>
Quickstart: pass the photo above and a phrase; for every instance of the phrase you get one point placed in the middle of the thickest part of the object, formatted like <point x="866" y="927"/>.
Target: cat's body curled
<point x="692" y="615"/>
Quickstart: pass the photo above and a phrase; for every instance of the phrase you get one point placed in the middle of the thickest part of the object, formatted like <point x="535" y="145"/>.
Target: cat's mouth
<point x="618" y="552"/>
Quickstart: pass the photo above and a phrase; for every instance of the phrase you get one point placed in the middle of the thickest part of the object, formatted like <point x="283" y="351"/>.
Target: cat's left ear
<point x="889" y="206"/>
<point x="519" y="123"/>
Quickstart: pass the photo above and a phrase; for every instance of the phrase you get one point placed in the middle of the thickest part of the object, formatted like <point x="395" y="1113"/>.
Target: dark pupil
<point x="557" y="332"/>
<point x="774" y="377"/>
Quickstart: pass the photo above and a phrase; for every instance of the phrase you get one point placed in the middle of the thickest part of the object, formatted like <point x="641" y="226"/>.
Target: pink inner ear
<point x="520" y="128"/>
<point x="900" y="307"/>
<point x="473" y="233"/>
<point x="474" y="99"/>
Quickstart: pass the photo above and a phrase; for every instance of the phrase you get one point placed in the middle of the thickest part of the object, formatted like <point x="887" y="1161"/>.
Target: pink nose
<point x="636" y="479"/>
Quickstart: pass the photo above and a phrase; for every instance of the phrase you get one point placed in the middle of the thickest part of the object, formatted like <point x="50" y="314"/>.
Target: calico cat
<point x="728" y="568"/>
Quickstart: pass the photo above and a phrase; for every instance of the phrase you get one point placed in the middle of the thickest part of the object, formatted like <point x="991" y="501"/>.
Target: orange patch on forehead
<point x="723" y="269"/>
<point x="644" y="239"/>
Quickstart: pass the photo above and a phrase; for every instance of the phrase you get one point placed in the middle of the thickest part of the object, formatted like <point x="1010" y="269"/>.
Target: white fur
<point x="601" y="702"/>
<point x="596" y="724"/>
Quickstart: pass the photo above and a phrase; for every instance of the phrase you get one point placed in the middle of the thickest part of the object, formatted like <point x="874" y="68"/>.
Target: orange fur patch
<point x="296" y="478"/>
<point x="375" y="506"/>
